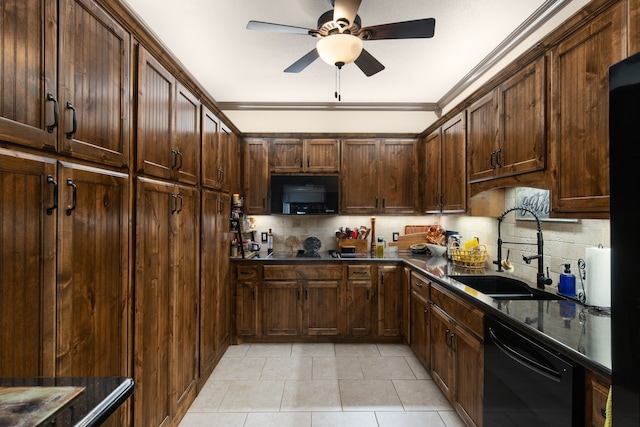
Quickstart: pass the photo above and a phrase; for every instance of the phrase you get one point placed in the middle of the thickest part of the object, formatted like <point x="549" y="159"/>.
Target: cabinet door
<point x="94" y="85"/>
<point x="187" y="136"/>
<point x="323" y="309"/>
<point x="390" y="302"/>
<point x="27" y="265"/>
<point x="223" y="282"/>
<point x="226" y="142"/>
<point x="522" y="107"/>
<point x="212" y="174"/>
<point x="156" y="92"/>
<point x="184" y="260"/>
<point x="442" y="363"/>
<point x="398" y="177"/>
<point x="29" y="74"/>
<point x="469" y="375"/>
<point x="152" y="340"/>
<point x="321" y="155"/>
<point x="432" y="173"/>
<point x="580" y="132"/>
<point x="482" y="138"/>
<point x="247" y="298"/>
<point x="256" y="175"/>
<point x="420" y="333"/>
<point x="454" y="183"/>
<point x="281" y="308"/>
<point x="286" y="155"/>
<point x="358" y="177"/>
<point x="93" y="265"/>
<point x="359" y="308"/>
<point x="208" y="281"/>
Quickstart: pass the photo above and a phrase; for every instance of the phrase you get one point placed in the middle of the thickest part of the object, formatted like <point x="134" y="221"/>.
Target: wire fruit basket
<point x="472" y="259"/>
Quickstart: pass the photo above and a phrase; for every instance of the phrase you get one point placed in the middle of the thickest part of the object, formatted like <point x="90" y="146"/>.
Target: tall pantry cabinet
<point x="71" y="242"/>
<point x="91" y="284"/>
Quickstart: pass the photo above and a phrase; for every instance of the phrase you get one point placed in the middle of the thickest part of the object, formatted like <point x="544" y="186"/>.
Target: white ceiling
<point x="243" y="69"/>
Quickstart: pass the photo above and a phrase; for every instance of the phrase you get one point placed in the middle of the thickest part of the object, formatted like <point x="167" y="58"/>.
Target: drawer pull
<point x="603" y="412"/>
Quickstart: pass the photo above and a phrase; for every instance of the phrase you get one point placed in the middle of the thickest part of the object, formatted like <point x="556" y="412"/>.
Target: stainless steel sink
<point x="504" y="288"/>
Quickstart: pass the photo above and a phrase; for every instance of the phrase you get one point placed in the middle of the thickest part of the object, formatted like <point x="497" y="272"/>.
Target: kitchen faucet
<point x="541" y="280"/>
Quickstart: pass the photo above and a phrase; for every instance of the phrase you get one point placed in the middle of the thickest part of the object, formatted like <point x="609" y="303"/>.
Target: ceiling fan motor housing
<point x="326" y="25"/>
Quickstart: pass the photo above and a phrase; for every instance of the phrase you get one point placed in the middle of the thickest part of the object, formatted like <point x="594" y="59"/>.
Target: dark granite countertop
<point x="100" y="397"/>
<point x="579" y="332"/>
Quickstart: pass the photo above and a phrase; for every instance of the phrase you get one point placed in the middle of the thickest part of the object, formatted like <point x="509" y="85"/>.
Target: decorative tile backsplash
<point x="564" y="242"/>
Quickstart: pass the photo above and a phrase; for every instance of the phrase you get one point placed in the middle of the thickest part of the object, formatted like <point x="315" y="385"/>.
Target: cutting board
<point x="411" y="229"/>
<point x="404" y="242"/>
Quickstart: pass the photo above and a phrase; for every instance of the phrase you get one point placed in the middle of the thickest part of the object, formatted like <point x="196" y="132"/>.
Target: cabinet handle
<point x="50" y="180"/>
<point x="56" y="112"/>
<point x="264" y="204"/>
<point x="425" y="315"/>
<point x="306" y="292"/>
<point x="75" y="120"/>
<point x="308" y="161"/>
<point x="368" y="293"/>
<point x="180" y="156"/>
<point x="453" y="340"/>
<point x="70" y="183"/>
<point x="179" y="197"/>
<point x="175" y="204"/>
<point x="498" y="151"/>
<point x="175" y="158"/>
<point x="298" y="293"/>
<point x="384" y="202"/>
<point x="253" y="294"/>
<point x="419" y="284"/>
<point x="359" y="272"/>
<point x="382" y="278"/>
<point x="301" y="160"/>
<point x="603" y="413"/>
<point x="446" y="337"/>
<point x="376" y="202"/>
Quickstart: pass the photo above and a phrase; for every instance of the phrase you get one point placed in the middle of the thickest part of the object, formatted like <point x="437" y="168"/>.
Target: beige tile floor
<point x="320" y="385"/>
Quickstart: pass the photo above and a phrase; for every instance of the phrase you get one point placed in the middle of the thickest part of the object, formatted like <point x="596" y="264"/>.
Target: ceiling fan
<point x="341" y="34"/>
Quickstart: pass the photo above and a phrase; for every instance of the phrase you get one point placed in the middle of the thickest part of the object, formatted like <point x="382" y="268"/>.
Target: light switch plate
<point x="396" y="236"/>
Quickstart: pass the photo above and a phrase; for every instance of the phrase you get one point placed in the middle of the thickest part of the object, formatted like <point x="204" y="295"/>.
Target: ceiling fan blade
<point x="276" y="28"/>
<point x="368" y="64"/>
<point x="303" y="62"/>
<point x="418" y="29"/>
<point x="345" y="10"/>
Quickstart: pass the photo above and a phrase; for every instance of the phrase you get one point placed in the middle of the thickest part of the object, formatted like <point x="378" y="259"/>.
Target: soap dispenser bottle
<point x="567" y="285"/>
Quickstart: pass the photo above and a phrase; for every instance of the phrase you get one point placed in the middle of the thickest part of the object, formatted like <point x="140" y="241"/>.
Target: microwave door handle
<point x="527" y="362"/>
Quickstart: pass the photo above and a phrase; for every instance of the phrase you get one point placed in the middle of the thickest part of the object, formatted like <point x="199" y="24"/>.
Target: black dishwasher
<point x="526" y="384"/>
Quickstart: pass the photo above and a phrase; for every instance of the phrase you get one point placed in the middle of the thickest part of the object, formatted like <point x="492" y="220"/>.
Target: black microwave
<point x="304" y="194"/>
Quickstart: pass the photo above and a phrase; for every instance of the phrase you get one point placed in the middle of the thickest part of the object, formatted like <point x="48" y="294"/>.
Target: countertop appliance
<point x="624" y="151"/>
<point x="527" y="385"/>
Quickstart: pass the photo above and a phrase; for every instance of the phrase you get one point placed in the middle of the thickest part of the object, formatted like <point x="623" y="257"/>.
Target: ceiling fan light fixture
<point x="340" y="49"/>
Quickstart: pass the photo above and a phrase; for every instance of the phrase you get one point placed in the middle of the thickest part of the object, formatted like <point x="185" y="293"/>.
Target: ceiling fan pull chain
<point x="337" y="92"/>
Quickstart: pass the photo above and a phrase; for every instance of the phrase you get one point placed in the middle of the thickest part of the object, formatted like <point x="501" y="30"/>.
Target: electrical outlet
<point x="263" y="236"/>
<point x="396" y="236"/>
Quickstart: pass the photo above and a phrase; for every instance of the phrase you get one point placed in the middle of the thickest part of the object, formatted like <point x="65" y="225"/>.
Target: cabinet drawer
<point x="463" y="312"/>
<point x="295" y="271"/>
<point x="247" y="272"/>
<point x="421" y="285"/>
<point x="359" y="272"/>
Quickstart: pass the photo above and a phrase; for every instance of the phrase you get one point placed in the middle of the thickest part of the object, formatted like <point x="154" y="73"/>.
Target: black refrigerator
<point x="624" y="140"/>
